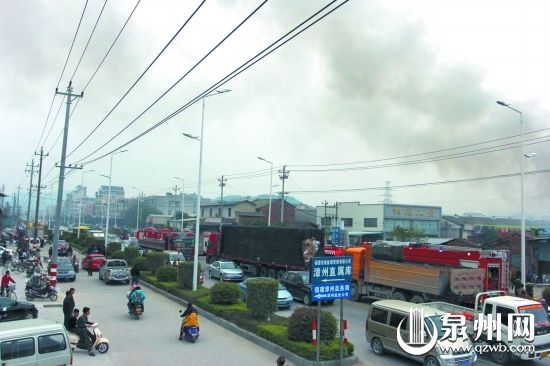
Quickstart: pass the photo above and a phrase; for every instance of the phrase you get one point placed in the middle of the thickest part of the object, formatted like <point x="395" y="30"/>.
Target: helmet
<point x="136" y="287"/>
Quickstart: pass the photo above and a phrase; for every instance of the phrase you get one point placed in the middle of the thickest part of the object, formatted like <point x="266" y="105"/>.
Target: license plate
<point x="464" y="363"/>
<point x="544" y="354"/>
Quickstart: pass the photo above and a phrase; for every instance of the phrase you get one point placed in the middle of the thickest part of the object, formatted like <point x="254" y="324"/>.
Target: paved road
<point x="152" y="340"/>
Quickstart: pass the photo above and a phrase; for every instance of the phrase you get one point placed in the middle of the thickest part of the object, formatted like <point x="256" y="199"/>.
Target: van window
<point x="396" y="318"/>
<point x="17" y="348"/>
<point x="379" y="315"/>
<point x="51" y="343"/>
<point x="504" y="314"/>
<point x="488" y="309"/>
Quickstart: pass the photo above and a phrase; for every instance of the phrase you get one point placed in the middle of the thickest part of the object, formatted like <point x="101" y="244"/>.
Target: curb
<point x="264" y="343"/>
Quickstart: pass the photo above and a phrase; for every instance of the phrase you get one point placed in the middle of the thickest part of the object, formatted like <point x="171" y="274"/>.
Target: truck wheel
<point x="502" y="358"/>
<point x="398" y="295"/>
<point x="355" y="295"/>
<point x="417" y="299"/>
<point x="272" y="273"/>
<point x="377" y="346"/>
<point x="431" y="361"/>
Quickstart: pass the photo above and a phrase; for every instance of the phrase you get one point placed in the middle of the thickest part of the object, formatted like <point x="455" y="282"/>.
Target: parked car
<point x="133" y="240"/>
<point x="297" y="283"/>
<point x="64" y="249"/>
<point x="113" y="239"/>
<point x="114" y="270"/>
<point x="172" y="257"/>
<point x="225" y="271"/>
<point x="65" y="270"/>
<point x="16" y="310"/>
<point x="93" y="260"/>
<point x="284" y="298"/>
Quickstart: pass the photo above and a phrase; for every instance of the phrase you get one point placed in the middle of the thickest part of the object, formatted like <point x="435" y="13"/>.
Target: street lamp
<point x="109" y="196"/>
<point x="137" y="216"/>
<point x="198" y="215"/>
<point x="523" y="264"/>
<point x="182" y="200"/>
<point x="270" y="188"/>
<point x="80" y="206"/>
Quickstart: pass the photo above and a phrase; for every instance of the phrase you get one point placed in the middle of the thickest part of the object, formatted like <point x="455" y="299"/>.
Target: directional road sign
<point x="331" y="277"/>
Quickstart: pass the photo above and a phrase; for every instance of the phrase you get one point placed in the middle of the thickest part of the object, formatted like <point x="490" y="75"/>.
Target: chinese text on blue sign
<point x="331" y="278"/>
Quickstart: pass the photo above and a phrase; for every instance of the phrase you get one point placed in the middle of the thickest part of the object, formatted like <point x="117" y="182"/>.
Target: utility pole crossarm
<point x="283" y="176"/>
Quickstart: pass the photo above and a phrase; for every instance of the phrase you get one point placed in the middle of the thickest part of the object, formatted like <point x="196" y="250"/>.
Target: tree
<point x="402" y="234"/>
<point x="130" y="213"/>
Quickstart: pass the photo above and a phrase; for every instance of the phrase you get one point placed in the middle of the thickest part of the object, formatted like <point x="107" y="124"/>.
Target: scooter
<point x="136" y="310"/>
<point x="101" y="344"/>
<point x="191" y="334"/>
<point x="76" y="267"/>
<point x="48" y="292"/>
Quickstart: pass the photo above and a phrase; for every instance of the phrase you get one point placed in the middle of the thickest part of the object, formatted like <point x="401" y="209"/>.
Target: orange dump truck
<point x="414" y="282"/>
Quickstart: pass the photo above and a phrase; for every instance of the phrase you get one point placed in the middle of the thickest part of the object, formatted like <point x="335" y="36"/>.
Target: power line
<point x="89" y="39"/>
<point x="176" y="83"/>
<point x="245" y="66"/>
<point x="138" y="79"/>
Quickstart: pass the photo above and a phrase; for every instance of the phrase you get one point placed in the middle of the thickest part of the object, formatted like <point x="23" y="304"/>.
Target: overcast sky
<point x="374" y="80"/>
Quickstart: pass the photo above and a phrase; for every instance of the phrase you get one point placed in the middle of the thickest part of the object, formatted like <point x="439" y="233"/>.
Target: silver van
<point x="381" y="332"/>
<point x="35" y="342"/>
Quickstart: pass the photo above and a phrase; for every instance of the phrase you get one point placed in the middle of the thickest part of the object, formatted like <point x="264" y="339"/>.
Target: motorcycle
<point x="47" y="292"/>
<point x="76" y="267"/>
<point x="101" y="344"/>
<point x="189" y="333"/>
<point x="136" y="310"/>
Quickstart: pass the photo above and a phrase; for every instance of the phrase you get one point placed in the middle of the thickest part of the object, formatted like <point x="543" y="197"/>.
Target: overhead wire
<point x="225" y="79"/>
<point x="138" y="79"/>
<point x="178" y="81"/>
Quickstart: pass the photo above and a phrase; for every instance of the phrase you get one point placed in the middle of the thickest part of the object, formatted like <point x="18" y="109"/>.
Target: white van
<point x="172" y="257"/>
<point x="34" y="342"/>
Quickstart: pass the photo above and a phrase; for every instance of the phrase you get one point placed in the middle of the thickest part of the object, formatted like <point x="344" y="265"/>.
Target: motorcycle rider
<point x="87" y="337"/>
<point x="190" y="319"/>
<point x="72" y="322"/>
<point x="136" y="296"/>
<point x="6" y="279"/>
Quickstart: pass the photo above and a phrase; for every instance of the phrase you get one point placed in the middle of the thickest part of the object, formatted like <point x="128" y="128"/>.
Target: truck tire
<point x="355" y="295"/>
<point x="398" y="295"/>
<point x="501" y="358"/>
<point x="272" y="273"/>
<point x="417" y="299"/>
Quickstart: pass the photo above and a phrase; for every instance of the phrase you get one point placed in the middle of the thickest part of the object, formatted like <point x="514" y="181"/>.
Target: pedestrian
<point x="281" y="361"/>
<point x="68" y="307"/>
<point x="90" y="268"/>
<point x="4" y="285"/>
<point x="82" y="328"/>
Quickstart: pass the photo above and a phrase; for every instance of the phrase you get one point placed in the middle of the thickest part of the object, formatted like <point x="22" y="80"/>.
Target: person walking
<point x="68" y="307"/>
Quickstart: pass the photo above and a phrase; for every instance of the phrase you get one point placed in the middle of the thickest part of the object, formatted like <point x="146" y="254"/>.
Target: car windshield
<point x="65" y="266"/>
<point x="228" y="265"/>
<point x="305" y="278"/>
<point x="541" y="316"/>
<point x="438" y="322"/>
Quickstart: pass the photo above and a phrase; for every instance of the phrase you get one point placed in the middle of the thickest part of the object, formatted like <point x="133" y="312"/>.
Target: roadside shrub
<point x="224" y="293"/>
<point x="185" y="275"/>
<point x="113" y="247"/>
<point x="299" y="325"/>
<point x="140" y="263"/>
<point x="167" y="274"/>
<point x="130" y="253"/>
<point x="119" y="254"/>
<point x="154" y="261"/>
<point x="261" y="297"/>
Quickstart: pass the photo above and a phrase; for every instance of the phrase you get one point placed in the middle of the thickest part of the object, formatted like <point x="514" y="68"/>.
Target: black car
<point x="16" y="310"/>
<point x="297" y="283"/>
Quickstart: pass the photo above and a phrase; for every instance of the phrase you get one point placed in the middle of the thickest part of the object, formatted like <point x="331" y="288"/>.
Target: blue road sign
<point x="335" y="235"/>
<point x="331" y="277"/>
<point x="333" y="291"/>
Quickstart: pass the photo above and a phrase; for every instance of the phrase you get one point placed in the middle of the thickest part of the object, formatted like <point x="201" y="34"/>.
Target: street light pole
<point x="109" y="198"/>
<point x="198" y="215"/>
<point x="137" y="216"/>
<point x="182" y="199"/>
<point x="270" y="189"/>
<point x="523" y="250"/>
<point x="80" y="206"/>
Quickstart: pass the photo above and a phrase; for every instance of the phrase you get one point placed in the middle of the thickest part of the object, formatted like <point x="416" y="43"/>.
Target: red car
<point x="94" y="261"/>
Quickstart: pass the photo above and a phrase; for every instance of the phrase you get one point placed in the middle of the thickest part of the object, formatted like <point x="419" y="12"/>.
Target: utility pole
<point x="31" y="170"/>
<point x="222" y="181"/>
<point x="283" y="175"/>
<point x="17" y="209"/>
<point x="325" y="203"/>
<point x="69" y="97"/>
<point x="38" y="188"/>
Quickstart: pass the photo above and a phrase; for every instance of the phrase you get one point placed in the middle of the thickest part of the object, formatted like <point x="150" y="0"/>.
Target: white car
<point x="2" y="249"/>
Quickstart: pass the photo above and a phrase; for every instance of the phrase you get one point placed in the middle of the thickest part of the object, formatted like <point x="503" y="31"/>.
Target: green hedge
<point x="261" y="297"/>
<point x="225" y="293"/>
<point x="154" y="261"/>
<point x="119" y="254"/>
<point x="299" y="325"/>
<point x="167" y="274"/>
<point x="131" y="253"/>
<point x="112" y="248"/>
<point x="278" y="335"/>
<point x="185" y="275"/>
<point x="140" y="263"/>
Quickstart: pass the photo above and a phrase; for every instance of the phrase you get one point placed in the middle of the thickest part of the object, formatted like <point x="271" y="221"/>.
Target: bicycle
<point x="10" y="292"/>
